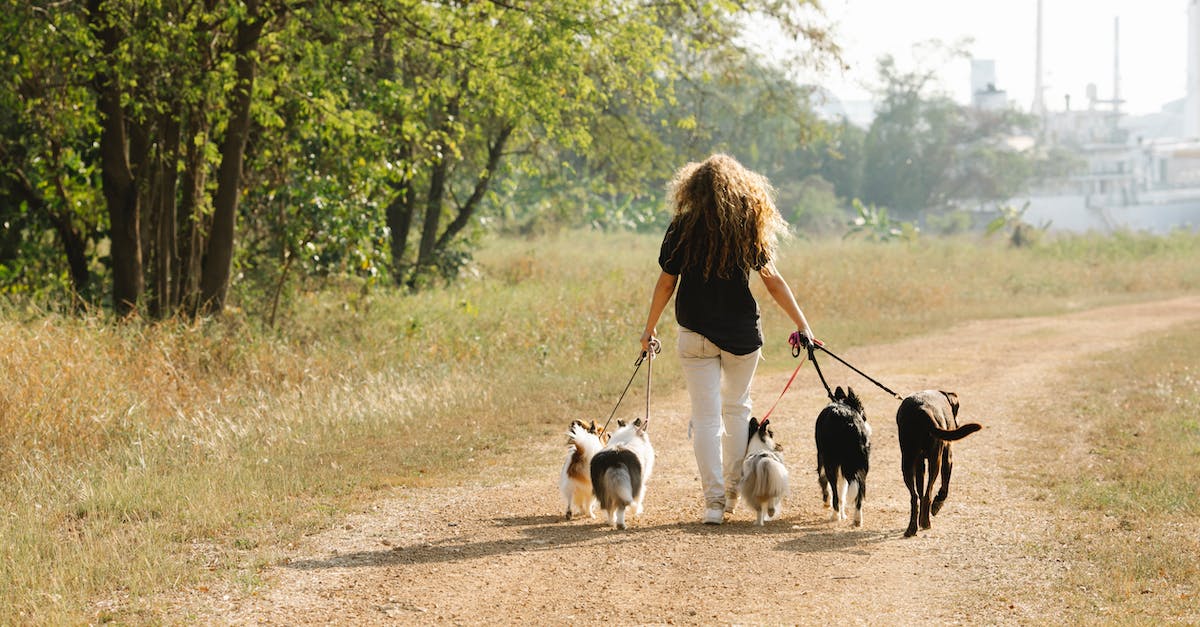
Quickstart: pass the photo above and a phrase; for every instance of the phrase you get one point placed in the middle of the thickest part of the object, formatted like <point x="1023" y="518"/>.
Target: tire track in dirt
<point x="501" y="554"/>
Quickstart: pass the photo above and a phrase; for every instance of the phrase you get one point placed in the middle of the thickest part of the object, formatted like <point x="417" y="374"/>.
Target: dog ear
<point x="620" y="423"/>
<point x="638" y="423"/>
<point x="953" y="399"/>
<point x="838" y="394"/>
<point x="592" y="428"/>
<point x="575" y="422"/>
<point x="852" y="399"/>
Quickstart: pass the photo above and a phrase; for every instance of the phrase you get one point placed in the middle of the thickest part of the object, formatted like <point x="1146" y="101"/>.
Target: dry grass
<point x="1134" y="508"/>
<point x="137" y="459"/>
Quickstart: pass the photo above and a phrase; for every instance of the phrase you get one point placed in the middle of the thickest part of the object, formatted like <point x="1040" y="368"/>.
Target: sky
<point x="1077" y="47"/>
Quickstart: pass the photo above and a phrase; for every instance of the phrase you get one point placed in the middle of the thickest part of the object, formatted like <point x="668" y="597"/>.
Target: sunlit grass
<point x="138" y="459"/>
<point x="1137" y="543"/>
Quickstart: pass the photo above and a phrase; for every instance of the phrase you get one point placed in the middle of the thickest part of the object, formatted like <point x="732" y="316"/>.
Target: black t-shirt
<point x="721" y="309"/>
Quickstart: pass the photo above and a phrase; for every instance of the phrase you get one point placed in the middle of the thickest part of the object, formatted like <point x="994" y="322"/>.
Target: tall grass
<point x="138" y="459"/>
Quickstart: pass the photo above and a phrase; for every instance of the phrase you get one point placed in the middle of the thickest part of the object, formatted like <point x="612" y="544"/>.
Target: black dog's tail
<point x="616" y="477"/>
<point x="956" y="434"/>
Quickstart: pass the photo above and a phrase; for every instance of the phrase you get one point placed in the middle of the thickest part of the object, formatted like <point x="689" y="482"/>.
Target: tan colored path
<point x="500" y="553"/>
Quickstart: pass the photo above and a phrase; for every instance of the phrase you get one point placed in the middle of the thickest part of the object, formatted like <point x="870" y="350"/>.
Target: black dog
<point x="843" y="453"/>
<point x="927" y="422"/>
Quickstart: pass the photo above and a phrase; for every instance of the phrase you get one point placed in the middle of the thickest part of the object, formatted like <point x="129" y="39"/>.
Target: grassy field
<point x="1130" y="507"/>
<point x="140" y="459"/>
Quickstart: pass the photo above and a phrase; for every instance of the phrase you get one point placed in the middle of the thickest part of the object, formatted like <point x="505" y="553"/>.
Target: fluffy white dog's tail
<point x="618" y="487"/>
<point x="769" y="479"/>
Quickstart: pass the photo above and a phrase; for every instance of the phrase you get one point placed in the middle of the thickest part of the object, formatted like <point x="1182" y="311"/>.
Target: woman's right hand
<point x="646" y="338"/>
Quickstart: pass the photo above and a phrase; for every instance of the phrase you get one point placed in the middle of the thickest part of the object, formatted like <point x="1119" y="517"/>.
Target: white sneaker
<point x="714" y="514"/>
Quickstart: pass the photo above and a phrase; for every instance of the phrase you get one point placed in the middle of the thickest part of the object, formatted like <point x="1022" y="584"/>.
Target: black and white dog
<point x="843" y="453"/>
<point x="764" y="477"/>
<point x="620" y="471"/>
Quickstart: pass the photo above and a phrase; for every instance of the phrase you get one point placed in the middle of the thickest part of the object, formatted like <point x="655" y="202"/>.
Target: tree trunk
<point x="165" y="232"/>
<point x="431" y="223"/>
<point x="74" y="243"/>
<point x="218" y="260"/>
<point x="467" y="210"/>
<point x="120" y="189"/>
<point x="190" y="220"/>
<point x="399" y="221"/>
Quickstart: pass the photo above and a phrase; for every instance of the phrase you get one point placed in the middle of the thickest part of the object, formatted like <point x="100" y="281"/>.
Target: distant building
<point x="984" y="94"/>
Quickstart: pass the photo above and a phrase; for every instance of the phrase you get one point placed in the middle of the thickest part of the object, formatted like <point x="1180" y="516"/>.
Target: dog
<point x="764" y="477"/>
<point x="621" y="470"/>
<point x="927" y="422"/>
<point x="843" y="438"/>
<point x="575" y="481"/>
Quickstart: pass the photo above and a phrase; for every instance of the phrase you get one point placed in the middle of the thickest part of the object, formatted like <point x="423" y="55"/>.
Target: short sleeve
<point x="670" y="258"/>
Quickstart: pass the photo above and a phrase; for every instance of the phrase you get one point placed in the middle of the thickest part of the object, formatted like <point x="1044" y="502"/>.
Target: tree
<point x="185" y="143"/>
<point x="48" y="178"/>
<point x="925" y="152"/>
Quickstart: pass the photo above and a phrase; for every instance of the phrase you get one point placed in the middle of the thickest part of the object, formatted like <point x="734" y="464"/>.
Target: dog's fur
<point x="926" y="423"/>
<point x="843" y="438"/>
<point x="575" y="481"/>
<point x="764" y="477"/>
<point x="621" y="470"/>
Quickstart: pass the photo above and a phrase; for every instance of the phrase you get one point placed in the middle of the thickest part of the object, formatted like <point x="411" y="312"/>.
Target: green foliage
<point x="1012" y="221"/>
<point x="873" y="224"/>
<point x="924" y="152"/>
<point x="811" y="206"/>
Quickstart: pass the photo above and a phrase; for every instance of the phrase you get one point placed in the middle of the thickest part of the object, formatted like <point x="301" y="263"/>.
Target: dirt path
<point x="501" y="554"/>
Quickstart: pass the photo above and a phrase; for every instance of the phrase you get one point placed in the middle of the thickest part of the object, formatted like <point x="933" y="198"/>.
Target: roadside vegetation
<point x="1129" y="507"/>
<point x="137" y="459"/>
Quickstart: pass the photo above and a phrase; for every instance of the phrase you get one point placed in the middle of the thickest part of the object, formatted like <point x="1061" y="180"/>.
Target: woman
<point x="724" y="229"/>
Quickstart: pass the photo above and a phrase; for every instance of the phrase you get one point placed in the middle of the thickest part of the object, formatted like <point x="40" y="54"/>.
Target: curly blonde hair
<point x="725" y="218"/>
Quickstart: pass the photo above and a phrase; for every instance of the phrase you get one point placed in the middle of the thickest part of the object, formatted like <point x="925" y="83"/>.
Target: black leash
<point x="657" y="348"/>
<point x="802" y="341"/>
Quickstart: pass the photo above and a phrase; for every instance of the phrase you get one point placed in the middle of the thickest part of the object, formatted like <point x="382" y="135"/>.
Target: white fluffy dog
<point x="764" y="477"/>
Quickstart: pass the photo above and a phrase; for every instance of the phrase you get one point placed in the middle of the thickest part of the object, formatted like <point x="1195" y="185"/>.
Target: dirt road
<point x="501" y="554"/>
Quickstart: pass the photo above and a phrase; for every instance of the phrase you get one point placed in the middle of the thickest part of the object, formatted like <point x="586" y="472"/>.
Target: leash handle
<point x="799" y="341"/>
<point x="655" y="349"/>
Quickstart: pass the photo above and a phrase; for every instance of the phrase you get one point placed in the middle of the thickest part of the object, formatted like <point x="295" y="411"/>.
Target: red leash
<point x="796" y="340"/>
<point x="785" y="389"/>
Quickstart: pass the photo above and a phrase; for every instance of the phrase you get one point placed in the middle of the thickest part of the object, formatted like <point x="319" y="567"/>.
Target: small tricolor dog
<point x="764" y="477"/>
<point x="583" y="441"/>
<point x="621" y="470"/>
<point x="843" y="453"/>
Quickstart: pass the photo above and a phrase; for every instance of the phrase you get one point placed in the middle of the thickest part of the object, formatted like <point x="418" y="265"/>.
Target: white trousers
<point x="718" y="383"/>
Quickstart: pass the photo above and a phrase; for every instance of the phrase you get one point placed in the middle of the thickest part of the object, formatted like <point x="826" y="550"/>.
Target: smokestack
<point x="1191" y="113"/>
<point x="1116" y="65"/>
<point x="1039" y="104"/>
